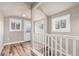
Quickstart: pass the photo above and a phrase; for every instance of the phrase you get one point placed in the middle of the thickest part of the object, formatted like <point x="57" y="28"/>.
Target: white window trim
<point x="16" y="21"/>
<point x="67" y="17"/>
<point x="41" y="21"/>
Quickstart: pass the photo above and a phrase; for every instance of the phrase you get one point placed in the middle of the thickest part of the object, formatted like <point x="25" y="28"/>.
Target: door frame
<point x="44" y="25"/>
<point x="24" y="30"/>
<point x="2" y="23"/>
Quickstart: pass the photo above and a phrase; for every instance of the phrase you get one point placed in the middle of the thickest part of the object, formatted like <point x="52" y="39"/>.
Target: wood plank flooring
<point x="19" y="49"/>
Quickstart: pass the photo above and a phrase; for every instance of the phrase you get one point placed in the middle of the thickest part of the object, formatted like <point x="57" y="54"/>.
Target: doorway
<point x="27" y="30"/>
<point x="1" y="35"/>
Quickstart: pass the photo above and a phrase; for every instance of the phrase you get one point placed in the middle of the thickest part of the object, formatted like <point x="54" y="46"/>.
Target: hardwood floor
<point x="19" y="49"/>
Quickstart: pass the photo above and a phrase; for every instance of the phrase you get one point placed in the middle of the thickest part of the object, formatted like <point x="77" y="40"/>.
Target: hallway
<point x="39" y="29"/>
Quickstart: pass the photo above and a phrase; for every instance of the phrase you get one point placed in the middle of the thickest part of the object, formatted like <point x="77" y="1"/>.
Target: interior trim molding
<point x="13" y="42"/>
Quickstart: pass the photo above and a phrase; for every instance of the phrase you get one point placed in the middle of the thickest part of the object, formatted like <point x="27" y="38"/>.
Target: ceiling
<point x="15" y="9"/>
<point x="21" y="9"/>
<point x="29" y="3"/>
<point x="50" y="8"/>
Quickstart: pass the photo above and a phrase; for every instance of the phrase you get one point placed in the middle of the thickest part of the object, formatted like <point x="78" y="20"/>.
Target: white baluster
<point x="37" y="41"/>
<point x="45" y="44"/>
<point x="66" y="47"/>
<point x="48" y="45"/>
<point x="61" y="46"/>
<point x="41" y="40"/>
<point x="51" y="46"/>
<point x="32" y="40"/>
<point x="74" y="47"/>
<point x="55" y="45"/>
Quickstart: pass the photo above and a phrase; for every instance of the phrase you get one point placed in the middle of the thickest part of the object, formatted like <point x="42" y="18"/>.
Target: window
<point x="39" y="26"/>
<point x="61" y="24"/>
<point x="15" y="24"/>
<point x="27" y="26"/>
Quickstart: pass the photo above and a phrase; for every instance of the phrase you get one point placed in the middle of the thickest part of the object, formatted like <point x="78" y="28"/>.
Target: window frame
<point x="16" y="21"/>
<point x="54" y="20"/>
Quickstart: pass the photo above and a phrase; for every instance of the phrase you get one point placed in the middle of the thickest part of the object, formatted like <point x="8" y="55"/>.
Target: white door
<point x="1" y="35"/>
<point x="27" y="30"/>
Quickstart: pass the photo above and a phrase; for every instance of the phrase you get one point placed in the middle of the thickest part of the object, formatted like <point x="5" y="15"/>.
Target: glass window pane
<point x="13" y="26"/>
<point x="18" y="26"/>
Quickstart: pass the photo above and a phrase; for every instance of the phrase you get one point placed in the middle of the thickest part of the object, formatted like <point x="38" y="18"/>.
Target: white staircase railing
<point x="55" y="45"/>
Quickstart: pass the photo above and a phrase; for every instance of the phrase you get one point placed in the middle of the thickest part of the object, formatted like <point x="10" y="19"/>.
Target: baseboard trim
<point x="14" y="42"/>
<point x="1" y="50"/>
<point x="36" y="52"/>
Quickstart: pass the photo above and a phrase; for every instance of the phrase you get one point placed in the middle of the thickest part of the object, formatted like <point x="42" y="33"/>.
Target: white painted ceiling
<point x="51" y="8"/>
<point x="23" y="9"/>
<point x="20" y="9"/>
<point x="29" y="3"/>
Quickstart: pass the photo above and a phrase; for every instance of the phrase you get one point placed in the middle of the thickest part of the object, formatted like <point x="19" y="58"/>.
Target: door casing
<point x="1" y="34"/>
<point x="27" y="36"/>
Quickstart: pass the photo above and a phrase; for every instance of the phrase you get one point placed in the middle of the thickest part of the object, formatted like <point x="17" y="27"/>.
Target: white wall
<point x="15" y="9"/>
<point x="7" y="9"/>
<point x="1" y="31"/>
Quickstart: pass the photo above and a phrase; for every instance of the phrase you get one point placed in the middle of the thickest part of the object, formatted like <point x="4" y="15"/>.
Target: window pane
<point x="63" y="23"/>
<point x="13" y="26"/>
<point x="18" y="26"/>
